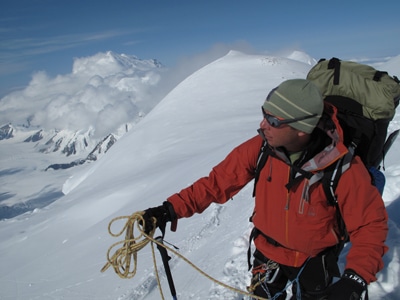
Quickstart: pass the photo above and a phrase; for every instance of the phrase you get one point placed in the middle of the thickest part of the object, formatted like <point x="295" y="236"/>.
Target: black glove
<point x="349" y="287"/>
<point x="163" y="214"/>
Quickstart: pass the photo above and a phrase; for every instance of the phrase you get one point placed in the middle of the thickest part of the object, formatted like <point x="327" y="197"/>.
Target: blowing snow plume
<point x="102" y="92"/>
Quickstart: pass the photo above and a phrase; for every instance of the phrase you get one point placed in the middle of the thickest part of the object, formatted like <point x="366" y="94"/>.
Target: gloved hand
<point x="349" y="287"/>
<point x="163" y="214"/>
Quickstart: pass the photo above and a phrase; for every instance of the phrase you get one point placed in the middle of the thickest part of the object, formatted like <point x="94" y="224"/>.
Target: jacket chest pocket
<point x="312" y="202"/>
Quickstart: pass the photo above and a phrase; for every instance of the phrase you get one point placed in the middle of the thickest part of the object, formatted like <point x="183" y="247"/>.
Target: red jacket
<point x="300" y="219"/>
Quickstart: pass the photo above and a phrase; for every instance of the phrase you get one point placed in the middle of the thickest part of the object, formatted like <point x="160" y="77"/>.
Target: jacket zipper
<point x="304" y="197"/>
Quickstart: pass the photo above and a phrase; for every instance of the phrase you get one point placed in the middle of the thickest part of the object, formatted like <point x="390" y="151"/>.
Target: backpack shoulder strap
<point x="333" y="173"/>
<point x="330" y="182"/>
<point x="261" y="160"/>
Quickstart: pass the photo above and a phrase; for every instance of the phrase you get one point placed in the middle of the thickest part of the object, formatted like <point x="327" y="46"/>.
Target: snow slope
<point x="57" y="252"/>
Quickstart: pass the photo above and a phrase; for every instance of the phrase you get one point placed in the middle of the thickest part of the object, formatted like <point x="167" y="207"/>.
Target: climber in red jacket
<point x="296" y="233"/>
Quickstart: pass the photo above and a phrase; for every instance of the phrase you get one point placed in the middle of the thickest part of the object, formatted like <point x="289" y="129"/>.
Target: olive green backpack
<point x="366" y="100"/>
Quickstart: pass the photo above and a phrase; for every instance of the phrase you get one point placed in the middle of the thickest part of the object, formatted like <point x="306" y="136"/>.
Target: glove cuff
<point x="171" y="215"/>
<point x="350" y="274"/>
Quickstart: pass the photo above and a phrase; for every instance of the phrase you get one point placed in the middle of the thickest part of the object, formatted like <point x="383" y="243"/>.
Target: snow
<point x="58" y="250"/>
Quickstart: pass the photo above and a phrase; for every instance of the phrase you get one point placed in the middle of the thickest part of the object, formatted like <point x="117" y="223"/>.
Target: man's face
<point x="281" y="136"/>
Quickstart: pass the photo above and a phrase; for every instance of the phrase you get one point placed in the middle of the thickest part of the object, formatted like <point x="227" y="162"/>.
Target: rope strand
<point x="122" y="258"/>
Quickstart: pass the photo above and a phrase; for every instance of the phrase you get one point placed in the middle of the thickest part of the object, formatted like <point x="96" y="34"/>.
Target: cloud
<point x="35" y="46"/>
<point x="102" y="92"/>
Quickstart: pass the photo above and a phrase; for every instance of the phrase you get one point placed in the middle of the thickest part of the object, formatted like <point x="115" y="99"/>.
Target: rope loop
<point x="122" y="258"/>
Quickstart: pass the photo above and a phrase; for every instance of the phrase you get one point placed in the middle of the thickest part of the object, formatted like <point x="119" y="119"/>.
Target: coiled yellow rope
<point x="122" y="258"/>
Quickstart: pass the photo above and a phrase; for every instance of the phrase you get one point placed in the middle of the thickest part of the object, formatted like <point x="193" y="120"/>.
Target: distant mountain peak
<point x="112" y="63"/>
<point x="101" y="148"/>
<point x="302" y="57"/>
<point x="6" y="132"/>
<point x="35" y="137"/>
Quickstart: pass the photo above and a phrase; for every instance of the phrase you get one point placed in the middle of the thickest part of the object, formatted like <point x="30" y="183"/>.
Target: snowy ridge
<point x="391" y="66"/>
<point x="303" y="57"/>
<point x="188" y="132"/>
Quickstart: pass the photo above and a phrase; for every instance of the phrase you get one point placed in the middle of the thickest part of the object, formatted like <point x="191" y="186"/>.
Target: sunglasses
<point x="275" y="122"/>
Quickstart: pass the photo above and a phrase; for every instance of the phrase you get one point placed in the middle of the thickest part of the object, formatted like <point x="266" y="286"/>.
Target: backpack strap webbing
<point x="334" y="63"/>
<point x="262" y="159"/>
<point x="263" y="155"/>
<point x="330" y="182"/>
<point x="254" y="233"/>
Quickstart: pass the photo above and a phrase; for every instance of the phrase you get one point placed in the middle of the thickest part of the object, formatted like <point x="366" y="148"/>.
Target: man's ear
<point x="301" y="133"/>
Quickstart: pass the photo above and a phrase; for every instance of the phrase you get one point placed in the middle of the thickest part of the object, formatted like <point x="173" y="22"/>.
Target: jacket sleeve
<point x="224" y="181"/>
<point x="365" y="216"/>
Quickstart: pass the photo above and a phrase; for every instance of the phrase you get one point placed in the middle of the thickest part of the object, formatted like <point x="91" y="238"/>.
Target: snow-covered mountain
<point x="57" y="250"/>
<point x="69" y="120"/>
<point x="71" y="113"/>
<point x="303" y="57"/>
<point x="6" y="132"/>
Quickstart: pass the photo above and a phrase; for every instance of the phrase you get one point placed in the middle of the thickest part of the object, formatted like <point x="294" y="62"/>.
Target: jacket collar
<point x="336" y="149"/>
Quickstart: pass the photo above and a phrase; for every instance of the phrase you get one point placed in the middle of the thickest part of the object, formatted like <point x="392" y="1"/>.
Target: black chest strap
<point x="254" y="233"/>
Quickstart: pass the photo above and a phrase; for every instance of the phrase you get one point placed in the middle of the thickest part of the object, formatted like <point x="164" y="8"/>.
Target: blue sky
<point x="46" y="35"/>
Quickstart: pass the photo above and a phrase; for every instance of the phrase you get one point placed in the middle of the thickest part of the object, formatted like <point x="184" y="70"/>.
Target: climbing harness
<point x="267" y="272"/>
<point x="264" y="274"/>
<point x="122" y="258"/>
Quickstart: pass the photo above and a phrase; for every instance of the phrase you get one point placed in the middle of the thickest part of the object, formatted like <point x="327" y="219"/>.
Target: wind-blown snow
<point x="102" y="92"/>
<point x="57" y="252"/>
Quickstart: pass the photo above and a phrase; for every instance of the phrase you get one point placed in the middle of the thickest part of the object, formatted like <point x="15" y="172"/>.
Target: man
<point x="296" y="233"/>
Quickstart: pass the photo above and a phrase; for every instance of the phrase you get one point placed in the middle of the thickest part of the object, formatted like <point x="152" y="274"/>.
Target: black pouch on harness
<point x="319" y="271"/>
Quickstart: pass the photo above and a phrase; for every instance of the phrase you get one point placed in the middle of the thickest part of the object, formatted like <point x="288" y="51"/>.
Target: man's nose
<point x="264" y="124"/>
